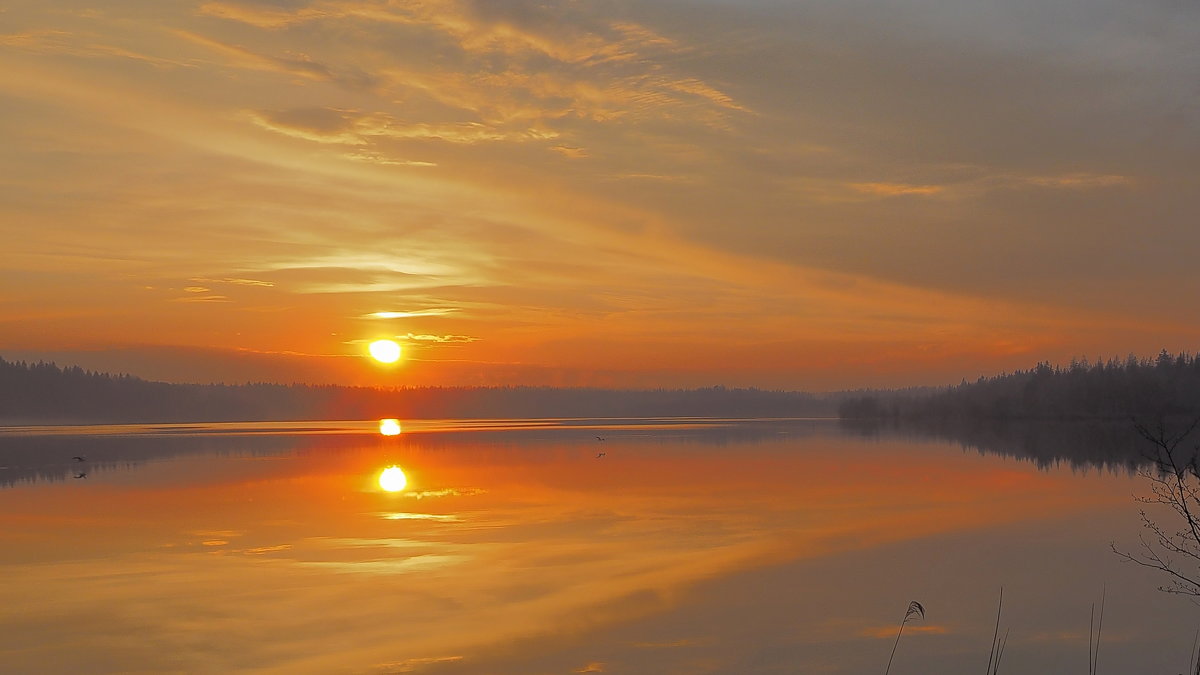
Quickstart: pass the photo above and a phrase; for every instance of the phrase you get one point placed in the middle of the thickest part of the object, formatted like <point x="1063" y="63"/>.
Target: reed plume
<point x="914" y="610"/>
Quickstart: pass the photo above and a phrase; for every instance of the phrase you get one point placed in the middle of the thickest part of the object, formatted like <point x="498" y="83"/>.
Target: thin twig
<point x="1091" y="632"/>
<point x="1194" y="663"/>
<point x="894" y="645"/>
<point x="992" y="658"/>
<point x="1000" y="653"/>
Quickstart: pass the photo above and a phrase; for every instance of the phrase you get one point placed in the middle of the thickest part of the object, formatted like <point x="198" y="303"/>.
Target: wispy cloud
<point x="673" y="644"/>
<point x="415" y="664"/>
<point x="895" y="189"/>
<point x="236" y="282"/>
<point x="442" y="518"/>
<point x="1080" y="181"/>
<point x="432" y="311"/>
<point x="295" y="63"/>
<point x="384" y="160"/>
<point x="438" y="338"/>
<point x="202" y="298"/>
<point x="444" y="492"/>
<point x="49" y="41"/>
<point x="351" y="127"/>
<point x="559" y="61"/>
<point x="571" y="152"/>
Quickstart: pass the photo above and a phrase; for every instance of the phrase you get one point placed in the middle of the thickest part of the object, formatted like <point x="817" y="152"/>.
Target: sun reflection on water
<point x="392" y="479"/>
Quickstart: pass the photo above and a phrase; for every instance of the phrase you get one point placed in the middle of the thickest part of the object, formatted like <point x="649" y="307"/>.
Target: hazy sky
<point x="802" y="194"/>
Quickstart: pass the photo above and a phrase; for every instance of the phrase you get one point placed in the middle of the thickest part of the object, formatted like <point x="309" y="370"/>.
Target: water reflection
<point x="392" y="479"/>
<point x="715" y="547"/>
<point x="389" y="427"/>
<point x="1106" y="444"/>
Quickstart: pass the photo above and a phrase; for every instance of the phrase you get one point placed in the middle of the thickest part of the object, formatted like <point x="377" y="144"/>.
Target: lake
<point x="563" y="546"/>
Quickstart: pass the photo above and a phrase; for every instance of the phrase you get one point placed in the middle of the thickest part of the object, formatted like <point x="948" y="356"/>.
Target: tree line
<point x="47" y="393"/>
<point x="1166" y="386"/>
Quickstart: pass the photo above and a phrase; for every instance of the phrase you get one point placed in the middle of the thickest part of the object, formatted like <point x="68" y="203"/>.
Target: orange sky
<point x="800" y="195"/>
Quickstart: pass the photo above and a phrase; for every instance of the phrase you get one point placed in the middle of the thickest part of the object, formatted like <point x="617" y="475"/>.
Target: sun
<point x="384" y="351"/>
<point x="392" y="479"/>
<point x="390" y="427"/>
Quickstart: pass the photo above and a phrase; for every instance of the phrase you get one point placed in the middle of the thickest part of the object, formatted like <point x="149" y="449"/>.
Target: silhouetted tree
<point x="1174" y="479"/>
<point x="1163" y="387"/>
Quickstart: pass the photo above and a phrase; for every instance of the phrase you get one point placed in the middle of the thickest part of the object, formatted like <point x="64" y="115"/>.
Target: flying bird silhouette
<point x="81" y="474"/>
<point x="80" y="458"/>
<point x="599" y="455"/>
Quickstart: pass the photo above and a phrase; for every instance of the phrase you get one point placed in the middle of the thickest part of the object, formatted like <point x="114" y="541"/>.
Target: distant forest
<point x="34" y="393"/>
<point x="1146" y="389"/>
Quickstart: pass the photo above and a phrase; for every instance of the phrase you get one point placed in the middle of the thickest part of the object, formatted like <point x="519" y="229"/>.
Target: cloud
<point x="552" y="30"/>
<point x="443" y="518"/>
<point x="432" y="311"/>
<point x="50" y="41"/>
<point x="263" y="550"/>
<point x="351" y="127"/>
<point x="439" y="338"/>
<point x="504" y="61"/>
<point x="236" y="282"/>
<point x="202" y="298"/>
<point x="381" y="159"/>
<point x="218" y="533"/>
<point x="369" y="268"/>
<point x="323" y="125"/>
<point x="965" y="183"/>
<point x="263" y="16"/>
<point x="896" y="189"/>
<point x="412" y="665"/>
<point x="446" y="492"/>
<point x="571" y="152"/>
<point x="1080" y="181"/>
<point x="296" y="63"/>
<point x="246" y="58"/>
<point x="673" y="644"/>
<point x="36" y="40"/>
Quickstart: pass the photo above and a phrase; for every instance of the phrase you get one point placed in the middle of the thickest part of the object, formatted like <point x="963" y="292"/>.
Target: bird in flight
<point x="81" y="474"/>
<point x="598" y="456"/>
<point x="600" y="438"/>
<point x="80" y="458"/>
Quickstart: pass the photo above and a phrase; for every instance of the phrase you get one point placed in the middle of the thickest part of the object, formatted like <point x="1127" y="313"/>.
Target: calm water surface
<point x="525" y="547"/>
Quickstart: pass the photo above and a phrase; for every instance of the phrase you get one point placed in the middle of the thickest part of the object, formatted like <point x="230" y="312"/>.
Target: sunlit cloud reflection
<point x="421" y="516"/>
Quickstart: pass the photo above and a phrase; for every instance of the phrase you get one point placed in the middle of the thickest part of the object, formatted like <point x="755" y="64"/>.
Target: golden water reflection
<point x="527" y="553"/>
<point x="392" y="479"/>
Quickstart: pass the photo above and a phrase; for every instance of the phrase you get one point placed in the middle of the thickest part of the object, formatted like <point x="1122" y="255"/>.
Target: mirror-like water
<point x="616" y="546"/>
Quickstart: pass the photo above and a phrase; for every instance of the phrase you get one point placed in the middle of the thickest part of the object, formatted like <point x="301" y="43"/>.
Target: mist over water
<point x="635" y="546"/>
